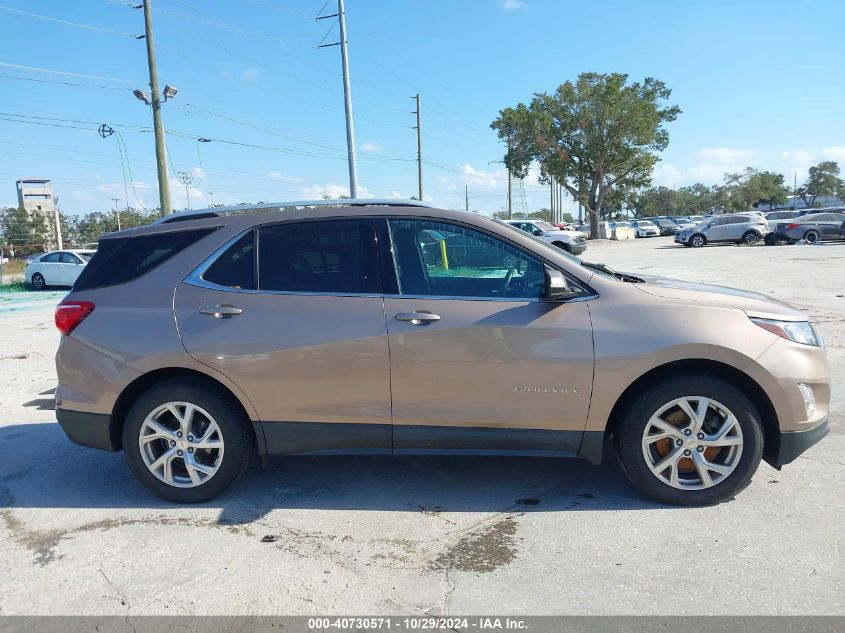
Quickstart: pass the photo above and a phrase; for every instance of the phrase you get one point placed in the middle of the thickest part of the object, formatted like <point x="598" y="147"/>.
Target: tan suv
<point x="392" y="328"/>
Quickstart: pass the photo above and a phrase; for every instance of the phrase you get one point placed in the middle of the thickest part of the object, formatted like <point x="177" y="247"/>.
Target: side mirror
<point x="537" y="232"/>
<point x="557" y="287"/>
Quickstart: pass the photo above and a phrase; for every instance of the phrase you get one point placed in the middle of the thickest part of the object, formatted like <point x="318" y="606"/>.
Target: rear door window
<point x="52" y="258"/>
<point x="325" y="256"/>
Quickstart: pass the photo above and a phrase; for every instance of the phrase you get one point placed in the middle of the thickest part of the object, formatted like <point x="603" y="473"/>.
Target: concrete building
<point x="36" y="194"/>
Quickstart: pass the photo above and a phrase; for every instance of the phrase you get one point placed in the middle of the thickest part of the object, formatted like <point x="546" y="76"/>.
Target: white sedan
<point x="645" y="228"/>
<point x="58" y="268"/>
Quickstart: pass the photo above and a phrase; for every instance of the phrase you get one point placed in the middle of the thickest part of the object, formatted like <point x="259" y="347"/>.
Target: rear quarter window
<point x="122" y="259"/>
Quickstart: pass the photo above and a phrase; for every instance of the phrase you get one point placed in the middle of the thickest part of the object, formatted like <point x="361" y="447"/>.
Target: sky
<point x="760" y="83"/>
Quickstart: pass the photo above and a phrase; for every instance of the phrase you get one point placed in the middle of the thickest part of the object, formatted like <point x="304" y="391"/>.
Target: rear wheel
<point x="186" y="440"/>
<point x="697" y="240"/>
<point x="38" y="282"/>
<point x="691" y="441"/>
<point x="750" y="237"/>
<point x="812" y="236"/>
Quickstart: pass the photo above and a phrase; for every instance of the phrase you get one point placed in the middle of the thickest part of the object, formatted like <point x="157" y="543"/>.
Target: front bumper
<point x="87" y="429"/>
<point x="793" y="443"/>
<point x="577" y="248"/>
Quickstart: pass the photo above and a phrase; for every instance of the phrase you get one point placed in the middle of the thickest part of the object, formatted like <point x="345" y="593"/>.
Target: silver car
<point x="740" y="228"/>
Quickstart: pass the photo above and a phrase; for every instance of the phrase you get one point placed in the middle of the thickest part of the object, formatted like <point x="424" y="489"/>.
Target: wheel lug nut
<point x="191" y="438"/>
<point x="687" y="452"/>
<point x="679" y="442"/>
<point x="190" y="450"/>
<point x="179" y="453"/>
<point x="700" y="449"/>
<point x="687" y="432"/>
<point x="700" y="436"/>
<point x="173" y="442"/>
<point x="178" y="433"/>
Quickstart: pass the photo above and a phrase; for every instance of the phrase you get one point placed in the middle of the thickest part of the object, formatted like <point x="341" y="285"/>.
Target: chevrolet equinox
<point x="383" y="327"/>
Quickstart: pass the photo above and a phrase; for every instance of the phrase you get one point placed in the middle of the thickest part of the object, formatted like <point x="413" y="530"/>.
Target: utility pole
<point x="510" y="184"/>
<point x="187" y="179"/>
<point x="116" y="212"/>
<point x="552" y="194"/>
<point x="211" y="193"/>
<point x="58" y="229"/>
<point x="466" y="197"/>
<point x="419" y="149"/>
<point x="347" y="97"/>
<point x="795" y="191"/>
<point x="158" y="129"/>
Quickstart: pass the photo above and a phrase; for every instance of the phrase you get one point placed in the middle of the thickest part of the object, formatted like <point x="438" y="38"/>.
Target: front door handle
<point x="221" y="311"/>
<point x="418" y="318"/>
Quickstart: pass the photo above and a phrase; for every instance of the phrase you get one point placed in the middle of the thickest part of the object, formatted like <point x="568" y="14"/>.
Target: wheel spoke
<point x="721" y="437"/>
<point x="165" y="461"/>
<point x="160" y="432"/>
<point x="670" y="460"/>
<point x="192" y="464"/>
<point x="701" y="466"/>
<point x="666" y="430"/>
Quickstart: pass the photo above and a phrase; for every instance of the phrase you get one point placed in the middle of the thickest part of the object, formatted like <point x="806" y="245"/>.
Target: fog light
<point x="809" y="398"/>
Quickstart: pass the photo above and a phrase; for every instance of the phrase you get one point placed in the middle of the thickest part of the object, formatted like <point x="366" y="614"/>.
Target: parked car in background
<point x="573" y="242"/>
<point x="812" y="228"/>
<point x="739" y="228"/>
<point x="696" y="219"/>
<point x="666" y="226"/>
<point x="683" y="223"/>
<point x="58" y="268"/>
<point x="645" y="228"/>
<point x="781" y="215"/>
<point x="222" y="337"/>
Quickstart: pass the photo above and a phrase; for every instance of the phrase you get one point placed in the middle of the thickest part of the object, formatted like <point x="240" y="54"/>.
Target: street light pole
<point x="116" y="211"/>
<point x="158" y="129"/>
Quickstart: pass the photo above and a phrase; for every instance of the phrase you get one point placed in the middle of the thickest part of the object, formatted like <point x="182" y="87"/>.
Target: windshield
<point x="546" y="226"/>
<point x="646" y="223"/>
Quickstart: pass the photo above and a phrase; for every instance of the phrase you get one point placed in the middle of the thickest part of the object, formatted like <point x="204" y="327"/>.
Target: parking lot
<point x="364" y="535"/>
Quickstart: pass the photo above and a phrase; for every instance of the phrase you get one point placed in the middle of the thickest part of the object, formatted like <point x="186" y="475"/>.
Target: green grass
<point x="15" y="286"/>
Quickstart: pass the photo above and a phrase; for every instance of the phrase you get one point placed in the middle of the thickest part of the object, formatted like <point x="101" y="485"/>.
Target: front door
<point x="292" y="313"/>
<point x="478" y="360"/>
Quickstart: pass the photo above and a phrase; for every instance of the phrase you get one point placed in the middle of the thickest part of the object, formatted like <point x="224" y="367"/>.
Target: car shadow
<point x="43" y="469"/>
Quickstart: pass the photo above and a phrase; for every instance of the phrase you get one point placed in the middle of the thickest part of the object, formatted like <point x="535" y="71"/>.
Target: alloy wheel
<point x="692" y="443"/>
<point x="181" y="444"/>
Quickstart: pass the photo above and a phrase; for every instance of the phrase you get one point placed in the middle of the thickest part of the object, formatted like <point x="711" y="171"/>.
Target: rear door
<point x="70" y="269"/>
<point x="293" y="314"/>
<point x="478" y="360"/>
<point x="50" y="266"/>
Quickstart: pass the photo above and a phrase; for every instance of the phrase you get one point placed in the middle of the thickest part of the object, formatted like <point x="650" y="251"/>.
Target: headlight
<point x="797" y="331"/>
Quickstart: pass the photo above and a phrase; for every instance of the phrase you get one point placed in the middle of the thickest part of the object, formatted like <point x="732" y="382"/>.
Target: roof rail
<point x="213" y="212"/>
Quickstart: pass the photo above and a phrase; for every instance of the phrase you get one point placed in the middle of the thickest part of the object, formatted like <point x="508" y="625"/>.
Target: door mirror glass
<point x="537" y="232"/>
<point x="556" y="285"/>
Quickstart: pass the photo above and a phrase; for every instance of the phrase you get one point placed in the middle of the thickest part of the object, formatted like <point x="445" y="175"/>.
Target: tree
<point x="751" y="188"/>
<point x="823" y="180"/>
<point x="595" y="136"/>
<point x="21" y="232"/>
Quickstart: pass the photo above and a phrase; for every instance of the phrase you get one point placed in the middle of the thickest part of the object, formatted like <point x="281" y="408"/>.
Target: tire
<point x="38" y="282"/>
<point x="639" y="457"/>
<point x="770" y="240"/>
<point x="750" y="237"/>
<point x="697" y="240"/>
<point x="232" y="441"/>
<point x="812" y="236"/>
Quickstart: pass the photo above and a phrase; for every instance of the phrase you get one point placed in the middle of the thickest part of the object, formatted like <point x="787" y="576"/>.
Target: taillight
<point x="69" y="314"/>
<point x="792" y="226"/>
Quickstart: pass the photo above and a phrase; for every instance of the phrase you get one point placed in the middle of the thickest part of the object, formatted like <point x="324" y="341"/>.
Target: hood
<point x="752" y="303"/>
<point x="561" y="232"/>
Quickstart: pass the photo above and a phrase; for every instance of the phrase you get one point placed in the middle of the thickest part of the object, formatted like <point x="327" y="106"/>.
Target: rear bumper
<point x="793" y="443"/>
<point x="87" y="429"/>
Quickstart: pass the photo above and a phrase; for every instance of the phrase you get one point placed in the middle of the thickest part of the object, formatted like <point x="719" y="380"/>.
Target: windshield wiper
<point x="608" y="270"/>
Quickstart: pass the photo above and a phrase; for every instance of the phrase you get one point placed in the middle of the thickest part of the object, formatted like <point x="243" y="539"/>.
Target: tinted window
<point x="52" y="258"/>
<point x="68" y="258"/>
<point x="323" y="256"/>
<point x="122" y="259"/>
<point x="235" y="268"/>
<point x="464" y="263"/>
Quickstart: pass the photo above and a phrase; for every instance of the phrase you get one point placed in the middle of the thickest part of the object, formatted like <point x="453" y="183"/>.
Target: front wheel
<point x="691" y="441"/>
<point x="697" y="241"/>
<point x="186" y="440"/>
<point x="811" y="236"/>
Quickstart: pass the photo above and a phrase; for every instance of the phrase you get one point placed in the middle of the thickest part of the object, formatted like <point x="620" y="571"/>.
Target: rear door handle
<point x="418" y="318"/>
<point x="221" y="311"/>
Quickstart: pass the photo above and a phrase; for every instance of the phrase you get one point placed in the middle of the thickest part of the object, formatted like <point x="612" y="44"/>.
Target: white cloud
<point x="334" y="191"/>
<point x="836" y="152"/>
<point x="514" y="5"/>
<point x="370" y="146"/>
<point x="251" y="74"/>
<point x="728" y="155"/>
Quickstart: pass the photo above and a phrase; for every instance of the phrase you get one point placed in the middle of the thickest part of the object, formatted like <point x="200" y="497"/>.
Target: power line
<point x="68" y="23"/>
<point x="67" y="73"/>
<point x="63" y="83"/>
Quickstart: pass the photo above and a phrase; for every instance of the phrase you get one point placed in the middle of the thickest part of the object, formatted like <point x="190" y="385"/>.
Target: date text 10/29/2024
<point x="417" y="623"/>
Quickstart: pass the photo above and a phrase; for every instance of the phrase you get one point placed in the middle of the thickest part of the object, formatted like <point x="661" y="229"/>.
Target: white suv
<point x="573" y="242"/>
